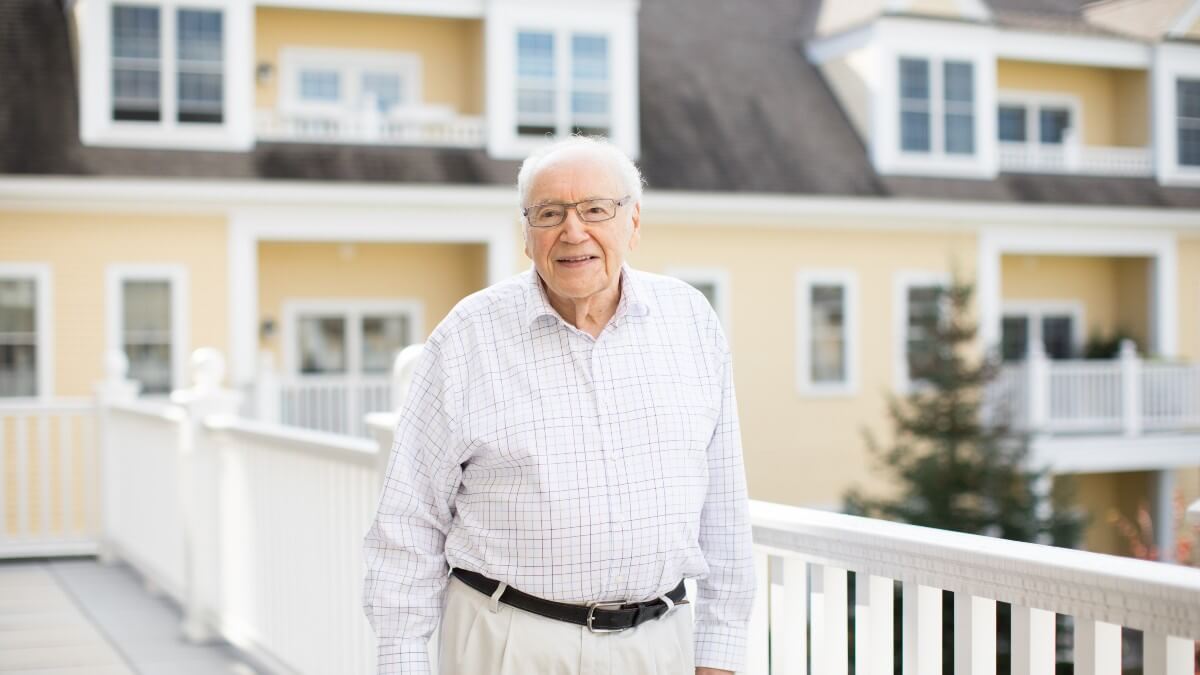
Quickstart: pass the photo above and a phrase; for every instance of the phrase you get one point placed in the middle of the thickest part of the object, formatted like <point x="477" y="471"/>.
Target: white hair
<point x="602" y="147"/>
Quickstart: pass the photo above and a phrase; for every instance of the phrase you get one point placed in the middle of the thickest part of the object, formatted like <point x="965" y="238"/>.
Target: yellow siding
<point x="451" y="50"/>
<point x="1095" y="282"/>
<point x="1107" y="117"/>
<point x="79" y="248"/>
<point x="798" y="449"/>
<point x="935" y="8"/>
<point x="437" y="274"/>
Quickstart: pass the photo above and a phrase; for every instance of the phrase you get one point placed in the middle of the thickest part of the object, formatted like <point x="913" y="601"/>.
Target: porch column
<point x="1163" y="490"/>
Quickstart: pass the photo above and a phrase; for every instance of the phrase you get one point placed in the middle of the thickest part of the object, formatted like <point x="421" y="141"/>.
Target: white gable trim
<point x="1185" y="20"/>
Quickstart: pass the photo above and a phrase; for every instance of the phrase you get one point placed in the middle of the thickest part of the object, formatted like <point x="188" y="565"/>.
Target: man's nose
<point x="574" y="230"/>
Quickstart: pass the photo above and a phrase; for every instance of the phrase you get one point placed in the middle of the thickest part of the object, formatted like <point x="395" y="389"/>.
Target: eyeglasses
<point x="590" y="211"/>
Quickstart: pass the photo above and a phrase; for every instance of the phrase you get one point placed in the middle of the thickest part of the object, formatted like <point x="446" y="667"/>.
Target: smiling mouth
<point x="577" y="258"/>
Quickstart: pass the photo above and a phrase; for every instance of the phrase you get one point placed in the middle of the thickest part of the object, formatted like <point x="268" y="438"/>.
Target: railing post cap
<point x="208" y="368"/>
<point x="1128" y="348"/>
<point x="116" y="365"/>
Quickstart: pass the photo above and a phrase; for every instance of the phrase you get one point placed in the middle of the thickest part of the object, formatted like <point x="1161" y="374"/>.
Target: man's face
<point x="579" y="259"/>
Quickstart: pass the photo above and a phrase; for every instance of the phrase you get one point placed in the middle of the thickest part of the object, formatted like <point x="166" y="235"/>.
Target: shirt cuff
<point x="403" y="657"/>
<point x="721" y="646"/>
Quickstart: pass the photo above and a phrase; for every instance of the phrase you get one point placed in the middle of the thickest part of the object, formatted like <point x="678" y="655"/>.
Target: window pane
<point x="385" y="89"/>
<point x="201" y="73"/>
<point x="1014" y="338"/>
<point x="1053" y="124"/>
<point x="1010" y="123"/>
<point x="383" y="338"/>
<point x="914" y="131"/>
<point x="535" y="55"/>
<point x="1187" y="103"/>
<point x="535" y="84"/>
<point x="959" y="100"/>
<point x="146" y="333"/>
<point x="136" y="63"/>
<point x="914" y="105"/>
<point x="589" y="103"/>
<point x="18" y="337"/>
<point x="322" y="345"/>
<point x="960" y="134"/>
<point x="589" y="57"/>
<point x="960" y="79"/>
<point x="828" y="321"/>
<point x="914" y="79"/>
<point x="1056" y="336"/>
<point x="320" y="85"/>
<point x="923" y="304"/>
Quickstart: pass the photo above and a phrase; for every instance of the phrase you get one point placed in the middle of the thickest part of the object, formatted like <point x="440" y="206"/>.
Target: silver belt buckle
<point x="602" y="605"/>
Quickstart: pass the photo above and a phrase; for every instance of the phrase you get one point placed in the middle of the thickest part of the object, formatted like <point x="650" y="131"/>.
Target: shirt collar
<point x="634" y="300"/>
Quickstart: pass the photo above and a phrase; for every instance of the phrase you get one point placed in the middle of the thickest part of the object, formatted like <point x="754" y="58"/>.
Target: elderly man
<point x="569" y="452"/>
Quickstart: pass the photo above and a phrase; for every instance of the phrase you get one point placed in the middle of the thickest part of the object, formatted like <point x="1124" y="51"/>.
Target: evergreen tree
<point x="953" y="471"/>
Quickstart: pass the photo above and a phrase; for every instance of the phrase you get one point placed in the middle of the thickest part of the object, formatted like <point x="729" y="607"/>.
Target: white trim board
<point x="848" y="280"/>
<point x="42" y="278"/>
<point x="464" y="9"/>
<point x="114" y="306"/>
<point x="1115" y="453"/>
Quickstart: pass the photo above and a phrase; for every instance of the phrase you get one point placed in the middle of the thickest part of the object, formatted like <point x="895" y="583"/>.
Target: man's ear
<point x="525" y="236"/>
<point x="636" y="219"/>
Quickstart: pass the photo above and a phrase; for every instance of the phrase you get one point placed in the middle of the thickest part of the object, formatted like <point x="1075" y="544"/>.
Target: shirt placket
<point x="616" y="582"/>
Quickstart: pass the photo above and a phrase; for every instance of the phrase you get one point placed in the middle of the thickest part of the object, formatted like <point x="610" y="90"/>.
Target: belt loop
<point x="496" y="597"/>
<point x="669" y="602"/>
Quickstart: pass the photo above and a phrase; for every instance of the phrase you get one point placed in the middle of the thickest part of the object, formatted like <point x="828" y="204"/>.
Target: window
<point x="320" y="85"/>
<point x="23" y="328"/>
<point x="137" y="65"/>
<point x="1055" y="324"/>
<point x="147" y="320"/>
<point x="347" y="338"/>
<point x="923" y="307"/>
<point x="1010" y="123"/>
<point x="538" y="83"/>
<point x="1031" y="118"/>
<point x="1187" y="103"/>
<point x="926" y="130"/>
<point x="1053" y="124"/>
<point x="826" y="332"/>
<point x="349" y="84"/>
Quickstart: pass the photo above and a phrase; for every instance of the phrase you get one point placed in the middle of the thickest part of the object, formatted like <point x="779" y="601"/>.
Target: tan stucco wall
<point x="451" y="50"/>
<point x="1112" y="102"/>
<point x="437" y="274"/>
<point x="1112" y="290"/>
<point x="800" y="449"/>
<point x="79" y="248"/>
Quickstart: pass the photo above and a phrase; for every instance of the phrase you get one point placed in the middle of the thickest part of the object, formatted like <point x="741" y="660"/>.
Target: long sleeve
<point x="726" y="594"/>
<point x="404" y="549"/>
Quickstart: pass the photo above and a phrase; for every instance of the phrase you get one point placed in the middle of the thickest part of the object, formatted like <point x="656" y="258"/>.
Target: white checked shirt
<point x="574" y="469"/>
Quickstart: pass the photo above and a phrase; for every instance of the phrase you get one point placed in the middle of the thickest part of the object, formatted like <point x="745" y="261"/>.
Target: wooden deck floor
<point x="78" y="617"/>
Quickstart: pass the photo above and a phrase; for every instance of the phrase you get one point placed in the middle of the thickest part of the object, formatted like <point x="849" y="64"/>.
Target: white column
<point x="922" y="630"/>
<point x="1131" y="389"/>
<point x="1164" y="513"/>
<point x="1037" y="379"/>
<point x="116" y="387"/>
<point x="974" y="635"/>
<point x="267" y="389"/>
<point x="198" y="487"/>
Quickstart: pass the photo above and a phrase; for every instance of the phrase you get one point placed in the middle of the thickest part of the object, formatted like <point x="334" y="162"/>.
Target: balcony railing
<point x="256" y="530"/>
<point x="429" y="126"/>
<point x="1127" y="395"/>
<point x="1075" y="159"/>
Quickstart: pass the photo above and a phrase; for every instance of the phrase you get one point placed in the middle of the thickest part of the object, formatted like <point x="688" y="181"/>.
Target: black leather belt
<point x="599" y="617"/>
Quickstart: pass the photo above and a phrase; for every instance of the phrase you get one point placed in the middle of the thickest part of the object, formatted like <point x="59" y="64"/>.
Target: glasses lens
<point x="598" y="209"/>
<point x="547" y="215"/>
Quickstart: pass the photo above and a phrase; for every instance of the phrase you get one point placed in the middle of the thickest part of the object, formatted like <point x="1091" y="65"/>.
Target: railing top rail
<point x="42" y="405"/>
<point x="158" y="409"/>
<point x="332" y="446"/>
<point x="324" y="379"/>
<point x="1139" y="594"/>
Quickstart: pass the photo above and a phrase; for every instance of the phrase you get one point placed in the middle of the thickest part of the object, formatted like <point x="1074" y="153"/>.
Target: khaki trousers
<point x="480" y="636"/>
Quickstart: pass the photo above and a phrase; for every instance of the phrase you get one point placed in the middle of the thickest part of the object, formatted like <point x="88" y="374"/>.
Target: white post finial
<point x="116" y="366"/>
<point x="402" y="372"/>
<point x="208" y="369"/>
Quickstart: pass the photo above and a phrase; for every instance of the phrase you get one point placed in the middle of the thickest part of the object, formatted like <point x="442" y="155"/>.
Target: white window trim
<point x="39" y="273"/>
<point x="1035" y="310"/>
<point x="805" y="280"/>
<point x="901" y="282"/>
<point x="908" y="37"/>
<point x="1173" y="61"/>
<point x="1033" y="101"/>
<point x="348" y="63"/>
<point x="97" y="127"/>
<point x="114" y="310"/>
<point x="352" y="310"/>
<point x="719" y="278"/>
<point x="616" y="20"/>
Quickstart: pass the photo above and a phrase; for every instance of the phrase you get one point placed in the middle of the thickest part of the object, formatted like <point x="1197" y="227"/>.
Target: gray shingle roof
<point x="728" y="103"/>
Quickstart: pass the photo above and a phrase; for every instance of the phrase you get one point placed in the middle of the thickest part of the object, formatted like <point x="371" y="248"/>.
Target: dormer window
<point x="937" y="106"/>
<point x="540" y="110"/>
<point x="1187" y="101"/>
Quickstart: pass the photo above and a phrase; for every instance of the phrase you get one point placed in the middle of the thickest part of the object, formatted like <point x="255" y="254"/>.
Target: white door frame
<point x="1159" y="246"/>
<point x="495" y="228"/>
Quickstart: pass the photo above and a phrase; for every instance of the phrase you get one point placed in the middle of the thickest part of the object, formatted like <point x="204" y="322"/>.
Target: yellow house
<point x="309" y="185"/>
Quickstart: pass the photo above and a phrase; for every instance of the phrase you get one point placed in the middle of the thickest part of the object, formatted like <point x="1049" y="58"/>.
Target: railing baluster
<point x="66" y="472"/>
<point x="1167" y="655"/>
<point x="1097" y="648"/>
<point x="759" y="635"/>
<point x="873" y="629"/>
<point x="922" y="630"/>
<point x="46" y="505"/>
<point x="829" y="621"/>
<point x="21" y="424"/>
<point x="789" y="618"/>
<point x="1032" y="641"/>
<point x="974" y="635"/>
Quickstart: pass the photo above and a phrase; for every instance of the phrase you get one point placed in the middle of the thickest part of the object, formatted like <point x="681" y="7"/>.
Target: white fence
<point x="1074" y="158"/>
<point x="48" y="478"/>
<point x="1126" y="395"/>
<point x="430" y="127"/>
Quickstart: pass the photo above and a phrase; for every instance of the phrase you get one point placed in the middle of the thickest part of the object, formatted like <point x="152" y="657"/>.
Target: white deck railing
<point x="48" y="478"/>
<point x="1074" y="158"/>
<point x="1126" y="395"/>
<point x="430" y="127"/>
